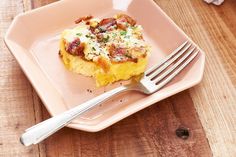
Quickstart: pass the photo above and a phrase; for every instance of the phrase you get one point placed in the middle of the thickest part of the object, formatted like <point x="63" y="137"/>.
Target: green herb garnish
<point x="123" y="32"/>
<point x="93" y="48"/>
<point x="79" y="34"/>
<point x="106" y="39"/>
<point x="114" y="35"/>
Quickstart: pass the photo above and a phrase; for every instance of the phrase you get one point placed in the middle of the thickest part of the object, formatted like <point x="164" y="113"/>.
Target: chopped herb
<point x="123" y="32"/>
<point x="106" y="39"/>
<point x="79" y="34"/>
<point x="93" y="48"/>
<point x="89" y="36"/>
<point x="114" y="35"/>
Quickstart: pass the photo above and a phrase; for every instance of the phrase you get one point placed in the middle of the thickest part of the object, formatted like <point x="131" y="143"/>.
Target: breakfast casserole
<point x="109" y="50"/>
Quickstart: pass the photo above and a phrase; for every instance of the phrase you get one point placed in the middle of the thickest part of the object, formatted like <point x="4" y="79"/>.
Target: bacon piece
<point x="121" y="23"/>
<point x="112" y="50"/>
<point x="120" y="51"/>
<point x="121" y="26"/>
<point x="99" y="37"/>
<point x="87" y="23"/>
<point x="85" y="18"/>
<point x="80" y="50"/>
<point x="92" y="29"/>
<point x="105" y="24"/>
<point x="76" y="48"/>
<point x="126" y="18"/>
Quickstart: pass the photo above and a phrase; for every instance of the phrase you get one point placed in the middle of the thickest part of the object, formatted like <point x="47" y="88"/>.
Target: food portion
<point x="109" y="49"/>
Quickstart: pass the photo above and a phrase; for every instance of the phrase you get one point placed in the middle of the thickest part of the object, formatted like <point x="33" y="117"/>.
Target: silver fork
<point x="153" y="80"/>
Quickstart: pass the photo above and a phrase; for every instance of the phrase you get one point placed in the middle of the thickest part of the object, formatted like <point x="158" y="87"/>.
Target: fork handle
<point x="41" y="131"/>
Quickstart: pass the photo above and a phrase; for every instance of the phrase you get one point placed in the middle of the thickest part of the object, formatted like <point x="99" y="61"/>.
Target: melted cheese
<point x="92" y="47"/>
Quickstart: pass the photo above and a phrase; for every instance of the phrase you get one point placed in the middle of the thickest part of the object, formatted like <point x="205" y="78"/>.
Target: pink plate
<point x="33" y="38"/>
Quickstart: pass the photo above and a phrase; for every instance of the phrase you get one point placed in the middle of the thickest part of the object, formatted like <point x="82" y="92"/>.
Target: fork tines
<point x="162" y="73"/>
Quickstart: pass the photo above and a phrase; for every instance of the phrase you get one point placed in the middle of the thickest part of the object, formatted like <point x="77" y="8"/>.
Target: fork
<point x="153" y="80"/>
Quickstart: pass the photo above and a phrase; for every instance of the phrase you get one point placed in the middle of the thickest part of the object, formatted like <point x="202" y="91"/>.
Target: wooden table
<point x="207" y="112"/>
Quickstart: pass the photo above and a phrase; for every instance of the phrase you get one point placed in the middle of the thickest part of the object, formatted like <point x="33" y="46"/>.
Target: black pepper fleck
<point x="59" y="53"/>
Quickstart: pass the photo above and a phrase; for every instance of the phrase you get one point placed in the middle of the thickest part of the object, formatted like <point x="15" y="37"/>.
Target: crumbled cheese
<point x="120" y="38"/>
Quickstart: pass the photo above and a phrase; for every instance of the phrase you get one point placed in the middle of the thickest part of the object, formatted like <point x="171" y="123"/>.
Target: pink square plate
<point x="33" y="38"/>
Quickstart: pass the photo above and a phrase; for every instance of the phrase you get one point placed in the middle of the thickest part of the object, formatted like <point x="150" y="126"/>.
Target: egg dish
<point x="109" y="49"/>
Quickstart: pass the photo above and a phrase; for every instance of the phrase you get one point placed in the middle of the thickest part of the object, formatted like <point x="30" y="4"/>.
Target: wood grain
<point x="213" y="29"/>
<point x="16" y="101"/>
<point x="150" y="132"/>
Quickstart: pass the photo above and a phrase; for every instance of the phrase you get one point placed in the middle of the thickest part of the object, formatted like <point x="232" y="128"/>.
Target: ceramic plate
<point x="33" y="38"/>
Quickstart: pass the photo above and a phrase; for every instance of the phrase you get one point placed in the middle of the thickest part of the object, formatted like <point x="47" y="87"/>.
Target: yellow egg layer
<point x="116" y="71"/>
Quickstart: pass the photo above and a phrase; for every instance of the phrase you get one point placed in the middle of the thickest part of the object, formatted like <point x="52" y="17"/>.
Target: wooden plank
<point x="213" y="29"/>
<point x="16" y="101"/>
<point x="150" y="132"/>
<point x="39" y="3"/>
